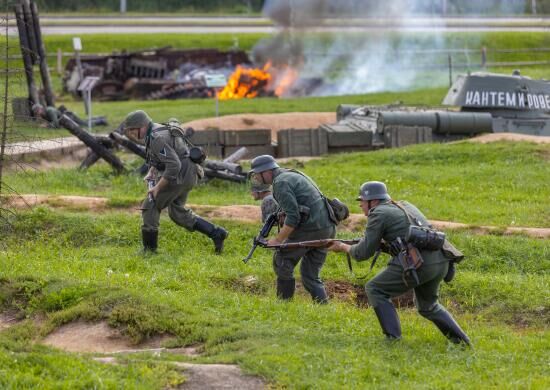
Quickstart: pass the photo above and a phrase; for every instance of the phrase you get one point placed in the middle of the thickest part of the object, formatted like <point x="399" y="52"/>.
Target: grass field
<point x="61" y="266"/>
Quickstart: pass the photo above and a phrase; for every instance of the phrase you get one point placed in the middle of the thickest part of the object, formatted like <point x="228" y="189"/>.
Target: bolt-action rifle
<point x="309" y="244"/>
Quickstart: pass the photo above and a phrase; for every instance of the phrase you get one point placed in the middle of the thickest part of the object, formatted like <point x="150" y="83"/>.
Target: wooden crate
<point x="301" y="142"/>
<point x="346" y="136"/>
<point x="205" y="137"/>
<point x="253" y="150"/>
<point x="245" y="137"/>
<point x="398" y="136"/>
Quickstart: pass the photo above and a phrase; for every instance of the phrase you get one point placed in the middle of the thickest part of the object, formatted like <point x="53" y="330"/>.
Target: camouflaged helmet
<point x="136" y="119"/>
<point x="263" y="163"/>
<point x="373" y="190"/>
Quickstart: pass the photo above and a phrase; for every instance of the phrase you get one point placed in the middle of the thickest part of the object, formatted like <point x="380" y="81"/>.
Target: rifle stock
<point x="310" y="244"/>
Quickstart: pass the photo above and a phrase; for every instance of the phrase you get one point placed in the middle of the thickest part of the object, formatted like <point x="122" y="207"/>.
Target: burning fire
<point x="252" y="82"/>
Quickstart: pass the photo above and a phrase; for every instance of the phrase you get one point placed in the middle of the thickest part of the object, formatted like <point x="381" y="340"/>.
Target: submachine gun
<point x="260" y="239"/>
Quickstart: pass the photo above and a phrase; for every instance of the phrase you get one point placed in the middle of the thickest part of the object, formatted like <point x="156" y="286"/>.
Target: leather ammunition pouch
<point x="452" y="253"/>
<point x="197" y="154"/>
<point x="337" y="210"/>
<point x="425" y="238"/>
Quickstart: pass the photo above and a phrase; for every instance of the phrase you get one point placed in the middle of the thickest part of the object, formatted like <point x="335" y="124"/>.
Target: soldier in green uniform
<point x="306" y="218"/>
<point x="387" y="221"/>
<point x="174" y="174"/>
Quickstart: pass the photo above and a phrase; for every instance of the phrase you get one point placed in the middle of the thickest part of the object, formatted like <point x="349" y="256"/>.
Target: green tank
<point x="517" y="104"/>
<point x="481" y="103"/>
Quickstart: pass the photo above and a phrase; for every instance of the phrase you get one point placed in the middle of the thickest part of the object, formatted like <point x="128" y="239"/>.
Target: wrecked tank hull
<point x="152" y="74"/>
<point x="482" y="103"/>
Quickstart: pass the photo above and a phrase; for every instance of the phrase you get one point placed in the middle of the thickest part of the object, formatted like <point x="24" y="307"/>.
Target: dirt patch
<point x="66" y="201"/>
<point x="245" y="213"/>
<point x="515" y="137"/>
<point x="275" y="122"/>
<point x="250" y="214"/>
<point x="218" y="376"/>
<point x="342" y="290"/>
<point x="8" y="319"/>
<point x="97" y="337"/>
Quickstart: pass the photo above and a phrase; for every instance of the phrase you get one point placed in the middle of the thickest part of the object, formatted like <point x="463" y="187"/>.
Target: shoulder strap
<point x="309" y="179"/>
<point x="412" y="221"/>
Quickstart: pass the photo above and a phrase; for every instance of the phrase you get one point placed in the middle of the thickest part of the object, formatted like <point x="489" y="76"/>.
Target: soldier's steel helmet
<point x="136" y="120"/>
<point x="373" y="190"/>
<point x="263" y="163"/>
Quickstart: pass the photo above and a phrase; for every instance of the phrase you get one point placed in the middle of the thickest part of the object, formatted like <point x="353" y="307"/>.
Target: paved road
<point x="232" y="25"/>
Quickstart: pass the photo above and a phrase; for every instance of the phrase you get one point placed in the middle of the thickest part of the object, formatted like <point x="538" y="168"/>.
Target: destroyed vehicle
<point x="152" y="74"/>
<point x="482" y="103"/>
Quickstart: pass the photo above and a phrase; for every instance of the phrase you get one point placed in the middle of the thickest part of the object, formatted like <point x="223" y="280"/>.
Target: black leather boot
<point x="389" y="320"/>
<point x="150" y="240"/>
<point x="216" y="233"/>
<point x="448" y="326"/>
<point x="285" y="288"/>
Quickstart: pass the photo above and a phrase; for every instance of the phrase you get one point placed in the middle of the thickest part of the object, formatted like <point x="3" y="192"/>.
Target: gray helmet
<point x="263" y="163"/>
<point x="373" y="190"/>
<point x="136" y="119"/>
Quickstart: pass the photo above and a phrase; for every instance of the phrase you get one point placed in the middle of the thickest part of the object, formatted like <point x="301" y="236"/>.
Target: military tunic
<point x="387" y="221"/>
<point x="294" y="193"/>
<point x="168" y="153"/>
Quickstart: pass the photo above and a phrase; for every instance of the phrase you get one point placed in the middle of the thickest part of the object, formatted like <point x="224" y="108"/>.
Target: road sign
<point x="88" y="83"/>
<point x="215" y="80"/>
<point x="86" y="87"/>
<point x="77" y="44"/>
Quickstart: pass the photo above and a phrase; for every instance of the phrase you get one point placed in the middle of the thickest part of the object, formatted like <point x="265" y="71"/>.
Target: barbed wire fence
<point x="16" y="121"/>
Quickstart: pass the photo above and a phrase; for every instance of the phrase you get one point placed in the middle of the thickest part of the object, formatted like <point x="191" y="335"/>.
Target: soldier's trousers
<point x="172" y="197"/>
<point x="389" y="283"/>
<point x="313" y="259"/>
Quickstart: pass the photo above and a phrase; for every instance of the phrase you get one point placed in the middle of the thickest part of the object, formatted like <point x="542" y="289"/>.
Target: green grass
<point x="86" y="266"/>
<point x="502" y="184"/>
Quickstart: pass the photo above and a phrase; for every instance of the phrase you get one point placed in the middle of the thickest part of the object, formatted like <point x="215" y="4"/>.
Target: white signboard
<point x="88" y="83"/>
<point x="77" y="44"/>
<point x="216" y="80"/>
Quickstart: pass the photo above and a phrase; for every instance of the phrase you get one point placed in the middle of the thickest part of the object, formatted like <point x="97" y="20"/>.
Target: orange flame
<point x="246" y="83"/>
<point x="251" y="82"/>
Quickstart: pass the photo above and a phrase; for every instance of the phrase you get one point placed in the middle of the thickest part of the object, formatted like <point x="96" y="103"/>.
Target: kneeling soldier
<point x="174" y="173"/>
<point x="390" y="221"/>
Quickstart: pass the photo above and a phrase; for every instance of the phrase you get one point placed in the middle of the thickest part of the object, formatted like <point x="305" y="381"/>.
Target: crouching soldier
<point x="390" y="221"/>
<point x="306" y="218"/>
<point x="174" y="174"/>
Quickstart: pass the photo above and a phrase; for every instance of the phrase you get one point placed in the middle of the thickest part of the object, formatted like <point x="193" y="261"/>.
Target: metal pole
<point x="217" y="103"/>
<point x="450" y="71"/>
<point x="89" y="109"/>
<point x="59" y="62"/>
<point x="122" y="6"/>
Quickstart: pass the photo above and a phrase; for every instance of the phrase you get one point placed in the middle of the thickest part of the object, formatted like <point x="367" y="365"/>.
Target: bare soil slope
<point x="275" y="122"/>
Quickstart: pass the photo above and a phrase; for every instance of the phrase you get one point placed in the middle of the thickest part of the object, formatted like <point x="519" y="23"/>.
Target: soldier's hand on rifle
<point x="338" y="246"/>
<point x="274" y="241"/>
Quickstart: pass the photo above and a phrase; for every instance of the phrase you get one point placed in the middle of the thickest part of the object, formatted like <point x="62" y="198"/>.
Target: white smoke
<point x="362" y="61"/>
